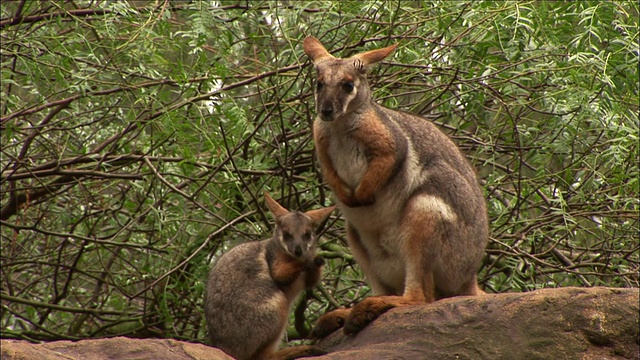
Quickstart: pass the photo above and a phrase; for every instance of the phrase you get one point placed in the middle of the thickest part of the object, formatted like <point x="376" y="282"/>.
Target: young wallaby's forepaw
<point x="365" y="312"/>
<point x="297" y="352"/>
<point x="329" y="323"/>
<point x="318" y="261"/>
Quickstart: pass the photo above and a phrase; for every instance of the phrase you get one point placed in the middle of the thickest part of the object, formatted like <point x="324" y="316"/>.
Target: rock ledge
<point x="565" y="323"/>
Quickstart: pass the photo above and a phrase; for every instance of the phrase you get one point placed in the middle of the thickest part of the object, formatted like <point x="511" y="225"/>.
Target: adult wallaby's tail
<point x="416" y="216"/>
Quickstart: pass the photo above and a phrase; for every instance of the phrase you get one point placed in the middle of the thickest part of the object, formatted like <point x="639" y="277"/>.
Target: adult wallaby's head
<point x="295" y="230"/>
<point x="341" y="86"/>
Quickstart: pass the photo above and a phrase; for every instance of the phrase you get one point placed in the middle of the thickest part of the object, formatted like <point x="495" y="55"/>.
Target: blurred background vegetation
<point x="137" y="137"/>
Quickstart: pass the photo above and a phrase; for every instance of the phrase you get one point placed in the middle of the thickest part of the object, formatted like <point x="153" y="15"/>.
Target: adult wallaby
<point x="416" y="217"/>
<point x="251" y="288"/>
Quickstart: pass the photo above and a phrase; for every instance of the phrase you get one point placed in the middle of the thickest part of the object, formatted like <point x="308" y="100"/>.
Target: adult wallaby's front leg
<point x="382" y="153"/>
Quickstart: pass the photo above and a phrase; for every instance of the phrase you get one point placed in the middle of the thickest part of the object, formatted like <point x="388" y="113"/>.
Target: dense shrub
<point x="137" y="138"/>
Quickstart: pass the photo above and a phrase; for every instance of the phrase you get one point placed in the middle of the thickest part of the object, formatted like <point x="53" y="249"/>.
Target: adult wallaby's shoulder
<point x="251" y="288"/>
<point x="416" y="217"/>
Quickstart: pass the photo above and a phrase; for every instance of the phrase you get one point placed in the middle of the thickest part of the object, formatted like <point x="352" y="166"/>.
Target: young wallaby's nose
<point x="327" y="112"/>
<point x="298" y="251"/>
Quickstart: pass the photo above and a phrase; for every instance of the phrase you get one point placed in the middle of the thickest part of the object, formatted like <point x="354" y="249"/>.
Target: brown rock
<point x="566" y="323"/>
<point x="119" y="348"/>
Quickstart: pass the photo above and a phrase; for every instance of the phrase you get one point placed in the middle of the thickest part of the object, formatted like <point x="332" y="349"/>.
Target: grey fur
<point x="246" y="308"/>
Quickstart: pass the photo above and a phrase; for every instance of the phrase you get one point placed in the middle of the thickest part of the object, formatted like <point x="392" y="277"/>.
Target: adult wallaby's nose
<point x="298" y="251"/>
<point x="327" y="112"/>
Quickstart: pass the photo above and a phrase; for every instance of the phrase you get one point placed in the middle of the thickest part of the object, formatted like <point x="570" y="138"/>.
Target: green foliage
<point x="137" y="138"/>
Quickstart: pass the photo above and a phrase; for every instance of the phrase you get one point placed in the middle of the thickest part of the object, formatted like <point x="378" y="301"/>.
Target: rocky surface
<point x="118" y="348"/>
<point x="566" y="323"/>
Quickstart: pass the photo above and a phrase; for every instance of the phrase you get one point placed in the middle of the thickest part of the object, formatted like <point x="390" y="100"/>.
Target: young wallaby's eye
<point x="307" y="236"/>
<point x="287" y="237"/>
<point x="319" y="85"/>
<point x="347" y="86"/>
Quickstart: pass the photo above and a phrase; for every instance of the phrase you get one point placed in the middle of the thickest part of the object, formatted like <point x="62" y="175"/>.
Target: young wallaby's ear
<point x="374" y="56"/>
<point x="314" y="50"/>
<point x="276" y="209"/>
<point x="318" y="215"/>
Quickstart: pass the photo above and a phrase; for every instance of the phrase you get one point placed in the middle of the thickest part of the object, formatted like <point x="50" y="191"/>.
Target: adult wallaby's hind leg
<point x="336" y="319"/>
<point x="420" y="231"/>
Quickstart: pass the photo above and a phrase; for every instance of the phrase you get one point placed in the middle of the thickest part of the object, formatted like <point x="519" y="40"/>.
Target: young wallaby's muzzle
<point x="326" y="113"/>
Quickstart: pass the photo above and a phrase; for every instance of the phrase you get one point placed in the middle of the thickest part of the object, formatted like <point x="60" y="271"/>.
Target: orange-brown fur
<point x="416" y="216"/>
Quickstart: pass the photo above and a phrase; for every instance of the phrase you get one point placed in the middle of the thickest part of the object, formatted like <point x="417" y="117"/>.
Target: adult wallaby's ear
<point x="374" y="56"/>
<point x="314" y="49"/>
<point x="318" y="215"/>
<point x="276" y="209"/>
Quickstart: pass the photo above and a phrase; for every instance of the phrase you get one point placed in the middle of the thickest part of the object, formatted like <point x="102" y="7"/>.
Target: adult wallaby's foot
<point x="329" y="322"/>
<point x="370" y="309"/>
<point x="297" y="352"/>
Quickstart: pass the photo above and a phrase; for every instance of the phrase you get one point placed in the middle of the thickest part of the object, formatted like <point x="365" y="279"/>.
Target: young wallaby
<point x="416" y="217"/>
<point x="251" y="288"/>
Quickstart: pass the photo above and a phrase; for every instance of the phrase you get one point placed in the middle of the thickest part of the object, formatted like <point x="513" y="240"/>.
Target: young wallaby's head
<point x="295" y="230"/>
<point x="341" y="86"/>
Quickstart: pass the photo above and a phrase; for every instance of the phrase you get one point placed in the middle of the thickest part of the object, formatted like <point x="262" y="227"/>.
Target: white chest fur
<point x="350" y="162"/>
<point x="347" y="155"/>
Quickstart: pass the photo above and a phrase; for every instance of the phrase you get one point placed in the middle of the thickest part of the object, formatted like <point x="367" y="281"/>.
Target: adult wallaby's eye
<point x="348" y="86"/>
<point x="287" y="237"/>
<point x="306" y="236"/>
<point x="319" y="85"/>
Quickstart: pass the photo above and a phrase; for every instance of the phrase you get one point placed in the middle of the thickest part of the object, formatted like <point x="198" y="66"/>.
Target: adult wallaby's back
<point x="251" y="287"/>
<point x="416" y="217"/>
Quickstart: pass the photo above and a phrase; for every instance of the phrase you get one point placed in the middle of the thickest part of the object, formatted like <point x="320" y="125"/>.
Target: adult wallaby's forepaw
<point x="365" y="312"/>
<point x="346" y="196"/>
<point x="364" y="198"/>
<point x="354" y="201"/>
<point x="329" y="323"/>
<point x="349" y="201"/>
